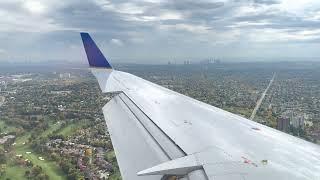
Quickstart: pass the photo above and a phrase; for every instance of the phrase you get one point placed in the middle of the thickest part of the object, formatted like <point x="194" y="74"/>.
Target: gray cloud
<point x="165" y="29"/>
<point x="267" y="2"/>
<point x="190" y="5"/>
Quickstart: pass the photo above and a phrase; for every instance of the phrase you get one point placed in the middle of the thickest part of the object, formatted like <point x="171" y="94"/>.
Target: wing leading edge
<point x="182" y="136"/>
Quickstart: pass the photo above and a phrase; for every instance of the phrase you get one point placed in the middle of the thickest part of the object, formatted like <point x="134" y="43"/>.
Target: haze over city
<point x="156" y="31"/>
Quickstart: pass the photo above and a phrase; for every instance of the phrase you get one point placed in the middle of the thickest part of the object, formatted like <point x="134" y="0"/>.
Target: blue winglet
<point x="94" y="55"/>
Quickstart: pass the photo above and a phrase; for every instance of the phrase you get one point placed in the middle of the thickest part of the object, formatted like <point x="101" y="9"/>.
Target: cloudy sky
<point x="160" y="30"/>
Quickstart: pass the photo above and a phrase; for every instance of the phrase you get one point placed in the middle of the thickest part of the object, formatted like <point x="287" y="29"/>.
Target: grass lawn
<point x="69" y="130"/>
<point x="14" y="172"/>
<point x="25" y="138"/>
<point x="49" y="167"/>
<point x="22" y="139"/>
<point x="52" y="127"/>
<point x="6" y="128"/>
<point x="240" y="111"/>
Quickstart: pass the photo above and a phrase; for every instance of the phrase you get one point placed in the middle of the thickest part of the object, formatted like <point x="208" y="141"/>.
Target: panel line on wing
<point x="166" y="143"/>
<point x="134" y="147"/>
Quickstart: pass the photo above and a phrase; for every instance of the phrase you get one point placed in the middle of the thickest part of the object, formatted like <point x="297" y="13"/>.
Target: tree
<point x="2" y="157"/>
<point x="27" y="174"/>
<point x="36" y="170"/>
<point x="3" y="170"/>
<point x="72" y="174"/>
<point x="42" y="177"/>
<point x="64" y="166"/>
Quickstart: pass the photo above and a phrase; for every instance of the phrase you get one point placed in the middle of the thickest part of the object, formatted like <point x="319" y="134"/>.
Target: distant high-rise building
<point x="217" y="61"/>
<point x="283" y="124"/>
<point x="186" y="62"/>
<point x="65" y="75"/>
<point x="298" y="121"/>
<point x="3" y="84"/>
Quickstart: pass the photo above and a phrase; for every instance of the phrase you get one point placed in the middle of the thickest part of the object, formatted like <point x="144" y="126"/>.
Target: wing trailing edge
<point x="157" y="133"/>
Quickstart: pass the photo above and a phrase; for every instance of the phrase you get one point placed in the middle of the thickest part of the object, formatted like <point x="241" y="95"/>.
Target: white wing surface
<point x="158" y="133"/>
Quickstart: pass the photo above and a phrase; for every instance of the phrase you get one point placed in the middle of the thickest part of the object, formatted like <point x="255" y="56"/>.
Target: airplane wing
<point x="161" y="134"/>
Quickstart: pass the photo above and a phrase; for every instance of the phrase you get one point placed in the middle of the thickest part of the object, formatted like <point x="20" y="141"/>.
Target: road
<point x="259" y="102"/>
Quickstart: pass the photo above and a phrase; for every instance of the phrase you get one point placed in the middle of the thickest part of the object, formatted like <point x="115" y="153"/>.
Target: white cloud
<point x="123" y="8"/>
<point x="2" y="51"/>
<point x="154" y="1"/>
<point x="137" y="40"/>
<point x="218" y="38"/>
<point x="245" y="24"/>
<point x="198" y="29"/>
<point x="312" y="16"/>
<point x="141" y="18"/>
<point x="117" y="42"/>
<point x="12" y="22"/>
<point x="30" y="16"/>
<point x="36" y="7"/>
<point x="248" y="10"/>
<point x="298" y="7"/>
<point x="282" y="35"/>
<point x="170" y="16"/>
<point x="192" y="28"/>
<point x="19" y="22"/>
<point x="163" y="16"/>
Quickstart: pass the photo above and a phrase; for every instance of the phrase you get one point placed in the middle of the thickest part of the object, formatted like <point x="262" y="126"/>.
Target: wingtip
<point x="82" y="34"/>
<point x="95" y="57"/>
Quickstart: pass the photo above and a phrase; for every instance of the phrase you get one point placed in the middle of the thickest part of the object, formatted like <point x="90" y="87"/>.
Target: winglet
<point x="94" y="55"/>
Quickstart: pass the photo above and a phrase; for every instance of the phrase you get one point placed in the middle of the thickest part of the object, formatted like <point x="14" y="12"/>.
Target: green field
<point x="52" y="128"/>
<point x="50" y="168"/>
<point x="5" y="128"/>
<point x="68" y="130"/>
<point x="240" y="111"/>
<point x="14" y="172"/>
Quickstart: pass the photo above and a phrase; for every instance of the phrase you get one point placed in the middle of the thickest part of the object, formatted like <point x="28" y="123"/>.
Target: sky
<point x="158" y="31"/>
